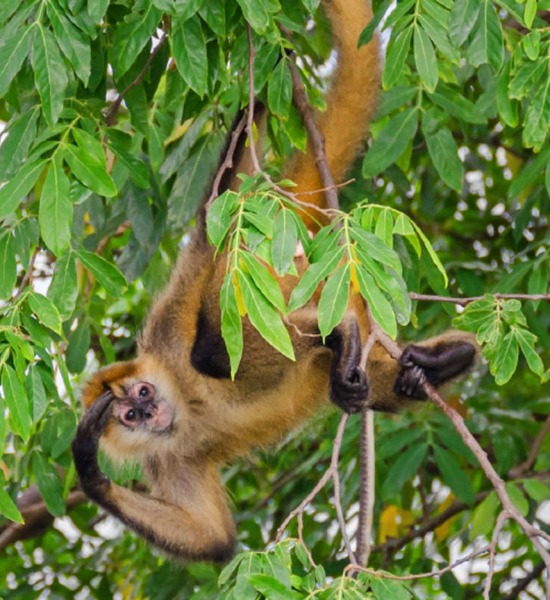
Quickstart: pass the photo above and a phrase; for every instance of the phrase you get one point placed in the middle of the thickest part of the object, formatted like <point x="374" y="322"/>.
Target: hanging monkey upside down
<point x="175" y="408"/>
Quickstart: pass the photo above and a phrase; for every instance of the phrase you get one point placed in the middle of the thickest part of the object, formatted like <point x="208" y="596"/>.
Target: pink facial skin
<point x="142" y="409"/>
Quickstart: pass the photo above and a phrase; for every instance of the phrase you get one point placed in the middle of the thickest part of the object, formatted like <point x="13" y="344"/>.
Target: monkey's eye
<point x="131" y="415"/>
<point x="143" y="391"/>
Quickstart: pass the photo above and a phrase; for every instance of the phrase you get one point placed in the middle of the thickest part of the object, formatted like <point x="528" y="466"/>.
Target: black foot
<point x="435" y="364"/>
<point x="86" y="444"/>
<point x="349" y="388"/>
<point x="350" y="394"/>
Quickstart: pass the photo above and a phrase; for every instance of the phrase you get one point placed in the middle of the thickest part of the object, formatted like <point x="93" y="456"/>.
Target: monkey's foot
<point x="86" y="444"/>
<point x="350" y="393"/>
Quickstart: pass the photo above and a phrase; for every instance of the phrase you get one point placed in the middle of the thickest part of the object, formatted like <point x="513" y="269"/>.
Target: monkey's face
<point x="142" y="408"/>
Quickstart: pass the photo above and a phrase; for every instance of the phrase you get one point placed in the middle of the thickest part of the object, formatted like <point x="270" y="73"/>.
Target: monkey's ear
<point x="105" y="379"/>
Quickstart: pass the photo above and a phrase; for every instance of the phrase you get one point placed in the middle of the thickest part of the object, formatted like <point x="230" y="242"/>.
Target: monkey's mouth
<point x="147" y="415"/>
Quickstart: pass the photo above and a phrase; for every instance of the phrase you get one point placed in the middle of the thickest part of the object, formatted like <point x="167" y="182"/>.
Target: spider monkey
<point x="176" y="410"/>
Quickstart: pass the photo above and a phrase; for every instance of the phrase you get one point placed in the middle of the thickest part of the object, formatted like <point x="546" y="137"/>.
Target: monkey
<point x="175" y="408"/>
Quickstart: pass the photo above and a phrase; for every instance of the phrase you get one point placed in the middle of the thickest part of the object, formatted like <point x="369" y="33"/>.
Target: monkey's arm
<point x="198" y="527"/>
<point x="439" y="360"/>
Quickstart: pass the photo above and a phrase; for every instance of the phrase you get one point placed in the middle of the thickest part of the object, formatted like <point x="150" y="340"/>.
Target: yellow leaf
<point x="442" y="532"/>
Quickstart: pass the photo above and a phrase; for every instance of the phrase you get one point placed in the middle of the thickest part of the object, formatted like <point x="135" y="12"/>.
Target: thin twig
<point x="384" y="575"/>
<point x="501" y="519"/>
<point x="393" y="544"/>
<point x="330" y="473"/>
<point x="497" y="482"/>
<point x="27" y="277"/>
<point x="522" y="584"/>
<point x="227" y="162"/>
<point x="315" y="137"/>
<point x="110" y="115"/>
<point x="525" y="466"/>
<point x="466" y="301"/>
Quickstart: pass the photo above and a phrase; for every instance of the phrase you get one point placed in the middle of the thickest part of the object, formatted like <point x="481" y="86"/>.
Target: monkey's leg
<point x="437" y="364"/>
<point x="348" y="382"/>
<point x="198" y="527"/>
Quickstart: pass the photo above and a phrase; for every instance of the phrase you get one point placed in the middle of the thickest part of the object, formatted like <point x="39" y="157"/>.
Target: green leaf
<point x="527" y="76"/>
<point x="444" y="154"/>
<point x="379" y="305"/>
<point x="270" y="587"/>
<point x="484" y="516"/>
<point x="457" y="105"/>
<point x="194" y="178"/>
<point x="375" y="248"/>
<point x="425" y="59"/>
<point x="530" y="12"/>
<point x="37" y="394"/>
<point x="518" y="498"/>
<point x="15" y="147"/>
<point x="89" y="171"/>
<point x="105" y="272"/>
<point x="505" y="361"/>
<point x="256" y="13"/>
<point x="73" y="43"/>
<point x="15" y="50"/>
<point x="397" y="52"/>
<point x="313" y="276"/>
<point x="368" y="32"/>
<point x="537" y="490"/>
<point x="264" y="280"/>
<point x="279" y="90"/>
<point x="189" y="48"/>
<point x="55" y="214"/>
<point x="334" y="300"/>
<point x="213" y="14"/>
<point x="17" y="403"/>
<point x="404" y="467"/>
<point x="537" y="118"/>
<point x="50" y="74"/>
<point x="526" y="341"/>
<point x="45" y="310"/>
<point x="285" y="239"/>
<point x="8" y="508"/>
<point x="384" y="227"/>
<point x="453" y="475"/>
<point x="49" y="484"/>
<point x="264" y="317"/>
<point x="433" y="256"/>
<point x="218" y="219"/>
<point x="18" y="187"/>
<point x="487" y="44"/>
<point x="391" y="142"/>
<point x="507" y="107"/>
<point x="8" y="265"/>
<point x="136" y="167"/>
<point x="79" y="344"/>
<point x="97" y="9"/>
<point x="131" y="37"/>
<point x="232" y="330"/>
<point x="464" y="15"/>
<point x="63" y="290"/>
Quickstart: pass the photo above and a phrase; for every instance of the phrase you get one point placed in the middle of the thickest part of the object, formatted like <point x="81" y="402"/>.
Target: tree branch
<point x="111" y="114"/>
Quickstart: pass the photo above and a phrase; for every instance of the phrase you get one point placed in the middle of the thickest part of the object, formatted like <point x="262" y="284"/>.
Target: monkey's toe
<point x="409" y="383"/>
<point x="350" y="393"/>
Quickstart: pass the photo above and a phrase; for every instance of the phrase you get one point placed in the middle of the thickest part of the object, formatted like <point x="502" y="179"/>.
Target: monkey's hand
<point x="435" y="364"/>
<point x="86" y="444"/>
<point x="348" y="382"/>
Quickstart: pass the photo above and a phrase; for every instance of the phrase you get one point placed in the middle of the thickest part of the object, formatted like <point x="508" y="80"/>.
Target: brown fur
<point x="217" y="419"/>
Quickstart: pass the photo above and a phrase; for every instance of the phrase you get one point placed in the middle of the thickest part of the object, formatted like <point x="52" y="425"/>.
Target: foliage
<point x="115" y="115"/>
